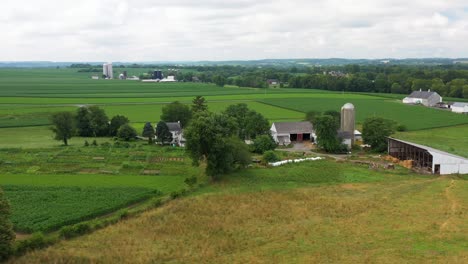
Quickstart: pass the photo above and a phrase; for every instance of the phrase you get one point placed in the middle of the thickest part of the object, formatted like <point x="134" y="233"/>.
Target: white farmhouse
<point x="426" y="98"/>
<point x="461" y="108"/>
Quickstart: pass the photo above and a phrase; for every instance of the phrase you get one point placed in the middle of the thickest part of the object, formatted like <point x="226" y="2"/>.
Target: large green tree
<point x="63" y="126"/>
<point x="115" y="123"/>
<point x="99" y="122"/>
<point x="375" y="131"/>
<point x="7" y="236"/>
<point x="199" y="104"/>
<point x="175" y="112"/>
<point x="250" y="123"/>
<point x="148" y="131"/>
<point x="83" y="123"/>
<point x="163" y="135"/>
<point x="210" y="138"/>
<point x="326" y="129"/>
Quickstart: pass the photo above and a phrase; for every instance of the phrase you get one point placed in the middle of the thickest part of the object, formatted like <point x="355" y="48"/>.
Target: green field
<point x="52" y="187"/>
<point x="412" y="116"/>
<point x="451" y="139"/>
<point x="313" y="212"/>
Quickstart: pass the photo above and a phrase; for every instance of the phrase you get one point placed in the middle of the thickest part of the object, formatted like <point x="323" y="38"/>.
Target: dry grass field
<point x="418" y="220"/>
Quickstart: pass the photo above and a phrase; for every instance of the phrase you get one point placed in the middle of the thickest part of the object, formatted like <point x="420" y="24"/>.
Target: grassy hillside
<point x="414" y="220"/>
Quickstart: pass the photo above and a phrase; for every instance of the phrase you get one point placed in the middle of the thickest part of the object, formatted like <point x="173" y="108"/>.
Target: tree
<point x="163" y="135"/>
<point x="7" y="236"/>
<point x="83" y="124"/>
<point x="126" y="132"/>
<point x="115" y="123"/>
<point x="148" y="131"/>
<point x="375" y="132"/>
<point x="99" y="122"/>
<point x="465" y="91"/>
<point x="209" y="137"/>
<point x="199" y="104"/>
<point x="63" y="126"/>
<point x="396" y="88"/>
<point x="336" y="116"/>
<point x="326" y="129"/>
<point x="250" y="123"/>
<point x="263" y="143"/>
<point x="311" y="116"/>
<point x="175" y="112"/>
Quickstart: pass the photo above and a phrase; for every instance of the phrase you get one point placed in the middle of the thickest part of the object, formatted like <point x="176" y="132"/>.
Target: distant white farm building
<point x="177" y="133"/>
<point x="427" y="158"/>
<point x="169" y="78"/>
<point x="286" y="132"/>
<point x="461" y="108"/>
<point x="426" y="98"/>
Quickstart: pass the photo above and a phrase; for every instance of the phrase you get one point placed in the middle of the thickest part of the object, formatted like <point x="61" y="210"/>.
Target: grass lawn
<point x="381" y="217"/>
<point x="451" y="139"/>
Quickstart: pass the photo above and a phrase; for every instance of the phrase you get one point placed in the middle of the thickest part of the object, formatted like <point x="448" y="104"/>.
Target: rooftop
<point x="293" y="127"/>
<point x="422" y="94"/>
<point x="429" y="149"/>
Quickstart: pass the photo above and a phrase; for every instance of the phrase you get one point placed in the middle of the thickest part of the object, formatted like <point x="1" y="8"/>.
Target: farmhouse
<point x="272" y="82"/>
<point x="286" y="132"/>
<point x="427" y="158"/>
<point x="177" y="133"/>
<point x="461" y="108"/>
<point x="426" y="98"/>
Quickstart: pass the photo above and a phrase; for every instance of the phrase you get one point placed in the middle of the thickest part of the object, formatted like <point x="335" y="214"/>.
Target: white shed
<point x="461" y="108"/>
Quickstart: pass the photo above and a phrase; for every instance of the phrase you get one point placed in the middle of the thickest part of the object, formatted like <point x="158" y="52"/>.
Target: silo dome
<point x="348" y="106"/>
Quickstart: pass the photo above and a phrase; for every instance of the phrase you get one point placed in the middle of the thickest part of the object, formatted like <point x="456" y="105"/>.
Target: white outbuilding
<point x="426" y="98"/>
<point x="461" y="108"/>
<point x="427" y="158"/>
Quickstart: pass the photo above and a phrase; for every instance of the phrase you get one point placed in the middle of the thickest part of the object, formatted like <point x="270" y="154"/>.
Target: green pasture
<point x="414" y="117"/>
<point x="46" y="208"/>
<point x="52" y="187"/>
<point x="451" y="139"/>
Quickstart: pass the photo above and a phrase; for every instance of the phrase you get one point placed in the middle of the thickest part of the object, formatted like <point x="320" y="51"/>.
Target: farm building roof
<point x="429" y="149"/>
<point x="174" y="126"/>
<point x="421" y="94"/>
<point x="293" y="127"/>
<point x="459" y="104"/>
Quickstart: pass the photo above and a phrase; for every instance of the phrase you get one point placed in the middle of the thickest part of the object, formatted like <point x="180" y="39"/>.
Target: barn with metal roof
<point x="427" y="158"/>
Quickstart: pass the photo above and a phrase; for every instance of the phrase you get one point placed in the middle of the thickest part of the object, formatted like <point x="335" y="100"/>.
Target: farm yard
<point x="299" y="212"/>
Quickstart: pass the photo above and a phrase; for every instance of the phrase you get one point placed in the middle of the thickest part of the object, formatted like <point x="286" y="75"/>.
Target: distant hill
<point x="264" y="62"/>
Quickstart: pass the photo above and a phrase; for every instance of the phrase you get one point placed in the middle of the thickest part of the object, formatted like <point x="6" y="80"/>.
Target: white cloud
<point x="151" y="30"/>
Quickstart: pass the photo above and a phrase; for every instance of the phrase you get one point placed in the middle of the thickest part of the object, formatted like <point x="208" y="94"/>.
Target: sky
<point x="188" y="30"/>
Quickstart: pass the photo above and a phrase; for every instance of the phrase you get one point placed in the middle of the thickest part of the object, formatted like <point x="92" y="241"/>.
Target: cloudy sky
<point x="154" y="30"/>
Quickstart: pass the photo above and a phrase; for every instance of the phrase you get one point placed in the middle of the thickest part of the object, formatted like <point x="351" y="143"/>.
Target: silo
<point x="348" y="119"/>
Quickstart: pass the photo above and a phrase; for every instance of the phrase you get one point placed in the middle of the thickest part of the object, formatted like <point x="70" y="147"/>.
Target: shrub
<point x="270" y="156"/>
<point x="126" y="132"/>
<point x="263" y="143"/>
<point x="175" y="194"/>
<point x="123" y="214"/>
<point x="86" y="143"/>
<point x="94" y="143"/>
<point x="7" y="235"/>
<point x="191" y="181"/>
<point x="74" y="230"/>
<point x="36" y="241"/>
<point x="106" y="145"/>
<point x="401" y="128"/>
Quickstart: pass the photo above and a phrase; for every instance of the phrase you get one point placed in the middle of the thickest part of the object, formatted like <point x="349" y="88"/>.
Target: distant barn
<point x="286" y="132"/>
<point x="427" y="158"/>
<point x="426" y="98"/>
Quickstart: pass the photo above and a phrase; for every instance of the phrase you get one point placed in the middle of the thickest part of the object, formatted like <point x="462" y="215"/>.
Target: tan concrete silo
<point x="348" y="119"/>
